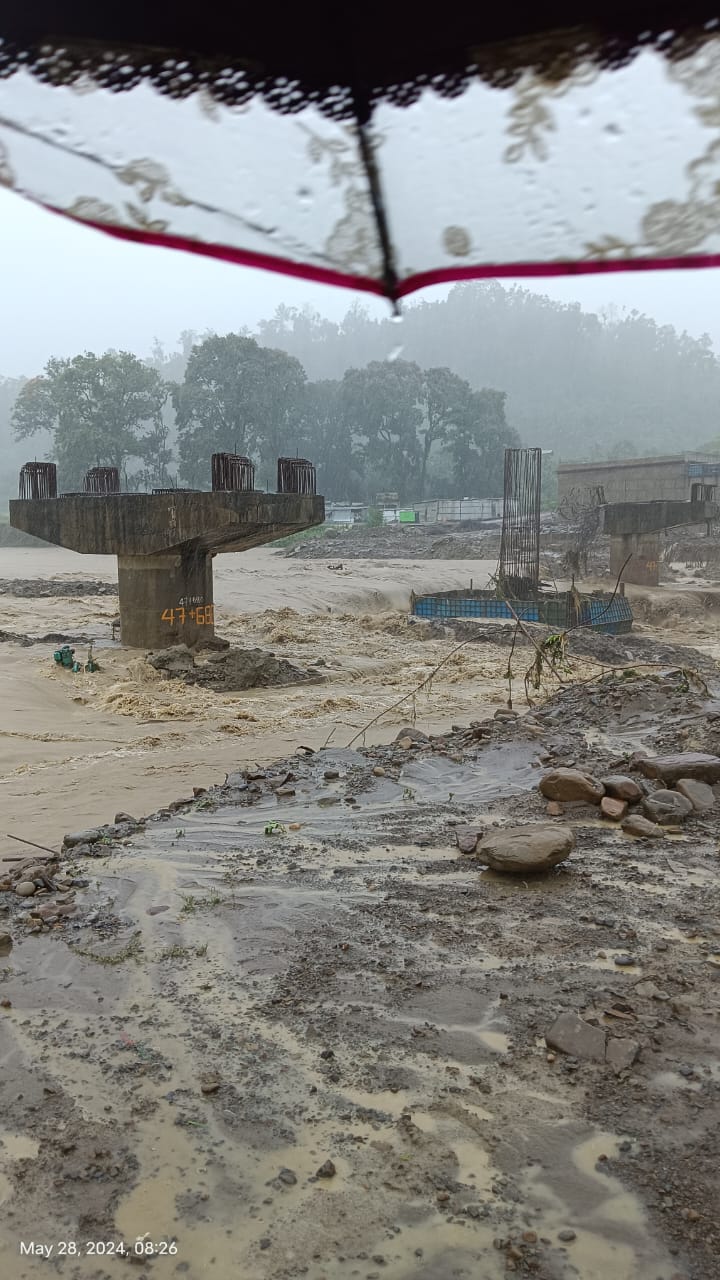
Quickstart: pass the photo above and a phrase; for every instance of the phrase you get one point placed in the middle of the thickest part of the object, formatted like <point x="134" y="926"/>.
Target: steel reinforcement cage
<point x="102" y="480"/>
<point x="38" y="480"/>
<point x="519" y="569"/>
<point x="231" y="472"/>
<point x="295" y="475"/>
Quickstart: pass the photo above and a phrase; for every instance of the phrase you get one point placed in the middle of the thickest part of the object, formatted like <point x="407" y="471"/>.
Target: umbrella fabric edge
<point x="403" y="288"/>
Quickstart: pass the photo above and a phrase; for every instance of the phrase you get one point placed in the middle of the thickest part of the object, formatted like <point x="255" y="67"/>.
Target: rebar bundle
<point x="102" y="480"/>
<point x="295" y="475"/>
<point x="38" y="480"/>
<point x="230" y="471"/>
<point x="519" y="570"/>
<point x="580" y="512"/>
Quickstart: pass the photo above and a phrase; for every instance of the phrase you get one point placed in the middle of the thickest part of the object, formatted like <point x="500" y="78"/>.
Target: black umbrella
<point x="378" y="149"/>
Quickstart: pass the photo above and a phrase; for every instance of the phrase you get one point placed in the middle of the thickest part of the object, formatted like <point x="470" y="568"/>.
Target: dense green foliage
<point x="100" y="411"/>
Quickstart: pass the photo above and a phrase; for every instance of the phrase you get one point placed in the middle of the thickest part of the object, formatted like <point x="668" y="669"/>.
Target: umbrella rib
<point x="367" y="155"/>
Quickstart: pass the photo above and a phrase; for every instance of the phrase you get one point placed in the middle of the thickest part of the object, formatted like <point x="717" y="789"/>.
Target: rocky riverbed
<point x="294" y="1025"/>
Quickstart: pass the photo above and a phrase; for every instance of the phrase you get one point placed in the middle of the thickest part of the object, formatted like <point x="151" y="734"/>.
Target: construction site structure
<point x="635" y="529"/>
<point x="165" y="541"/>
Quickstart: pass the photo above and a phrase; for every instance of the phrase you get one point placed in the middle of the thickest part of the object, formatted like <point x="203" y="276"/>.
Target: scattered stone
<point x="622" y="788"/>
<point x="526" y="850"/>
<point x="5" y="1004"/>
<point x="415" y="735"/>
<point x="287" y="1177"/>
<point x="406" y="744"/>
<point x="700" y="795"/>
<point x="125" y="817"/>
<point x="572" y="1035"/>
<point x="467" y="838"/>
<point x="284" y="792"/>
<point x="326" y="1170"/>
<point x="638" y="826"/>
<point x="330" y="775"/>
<point x="6" y="943"/>
<point x="687" y="764"/>
<point x="554" y="809"/>
<point x="155" y="911"/>
<point x="566" y="1236"/>
<point x="571" y="784"/>
<point x="378" y="771"/>
<point x="624" y="961"/>
<point x="614" y="810"/>
<point x="210" y="1084"/>
<point x="648" y="991"/>
<point x="25" y="888"/>
<point x="91" y="836"/>
<point x="621" y="1052"/>
<point x="577" y="1038"/>
<point x="666" y="806"/>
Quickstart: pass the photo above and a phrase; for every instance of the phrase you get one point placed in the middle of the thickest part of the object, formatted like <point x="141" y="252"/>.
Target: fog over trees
<point x="425" y="406"/>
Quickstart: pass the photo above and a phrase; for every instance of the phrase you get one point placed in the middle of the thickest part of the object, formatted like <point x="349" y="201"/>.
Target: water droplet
<point x="396" y="352"/>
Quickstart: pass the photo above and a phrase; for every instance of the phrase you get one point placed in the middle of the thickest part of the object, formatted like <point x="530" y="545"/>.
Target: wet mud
<point x="289" y="1030"/>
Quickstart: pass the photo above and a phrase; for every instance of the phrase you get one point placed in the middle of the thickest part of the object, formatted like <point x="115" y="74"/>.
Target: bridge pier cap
<point x="164" y="543"/>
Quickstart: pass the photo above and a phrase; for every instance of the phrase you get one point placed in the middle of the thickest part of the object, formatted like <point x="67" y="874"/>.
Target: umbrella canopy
<point x="376" y="150"/>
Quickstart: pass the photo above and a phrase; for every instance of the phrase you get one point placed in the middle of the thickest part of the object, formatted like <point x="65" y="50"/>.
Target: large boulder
<point x="700" y="795"/>
<point x="686" y="764"/>
<point x="666" y="806"/>
<point x="622" y="788"/>
<point x="571" y="784"/>
<point x="526" y="850"/>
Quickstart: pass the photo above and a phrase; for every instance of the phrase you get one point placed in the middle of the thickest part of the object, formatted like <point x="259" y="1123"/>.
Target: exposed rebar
<point x="102" y="480"/>
<point x="295" y="475"/>
<point x="38" y="480"/>
<point x="519" y="569"/>
<point x="232" y="472"/>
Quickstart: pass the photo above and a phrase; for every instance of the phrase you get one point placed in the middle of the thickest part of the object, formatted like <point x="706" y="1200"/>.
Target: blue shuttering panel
<point x="601" y="613"/>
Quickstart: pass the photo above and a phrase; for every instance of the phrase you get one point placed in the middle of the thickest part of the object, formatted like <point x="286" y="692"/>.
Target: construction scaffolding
<point x="519" y="568"/>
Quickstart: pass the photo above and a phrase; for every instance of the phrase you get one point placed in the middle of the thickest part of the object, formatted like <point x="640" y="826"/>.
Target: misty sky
<point x="67" y="288"/>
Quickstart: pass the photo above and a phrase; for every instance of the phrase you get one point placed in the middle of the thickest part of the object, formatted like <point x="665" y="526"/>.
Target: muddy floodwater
<point x="273" y="1023"/>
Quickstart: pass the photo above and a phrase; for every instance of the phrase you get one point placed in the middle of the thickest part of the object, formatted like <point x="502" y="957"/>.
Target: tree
<point x="477" y="445"/>
<point x="573" y="379"/>
<point x="382" y="408"/>
<point x="448" y="409"/>
<point x="236" y="397"/>
<point x="101" y="411"/>
<point x="328" y="442"/>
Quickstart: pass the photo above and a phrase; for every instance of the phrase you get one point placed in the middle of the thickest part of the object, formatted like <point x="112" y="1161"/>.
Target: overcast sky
<point x="66" y="288"/>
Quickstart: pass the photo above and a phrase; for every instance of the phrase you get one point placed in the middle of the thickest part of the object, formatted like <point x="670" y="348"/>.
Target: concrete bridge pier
<point x="635" y="527"/>
<point x="165" y="544"/>
<point x="644" y="551"/>
<point x="166" y="599"/>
